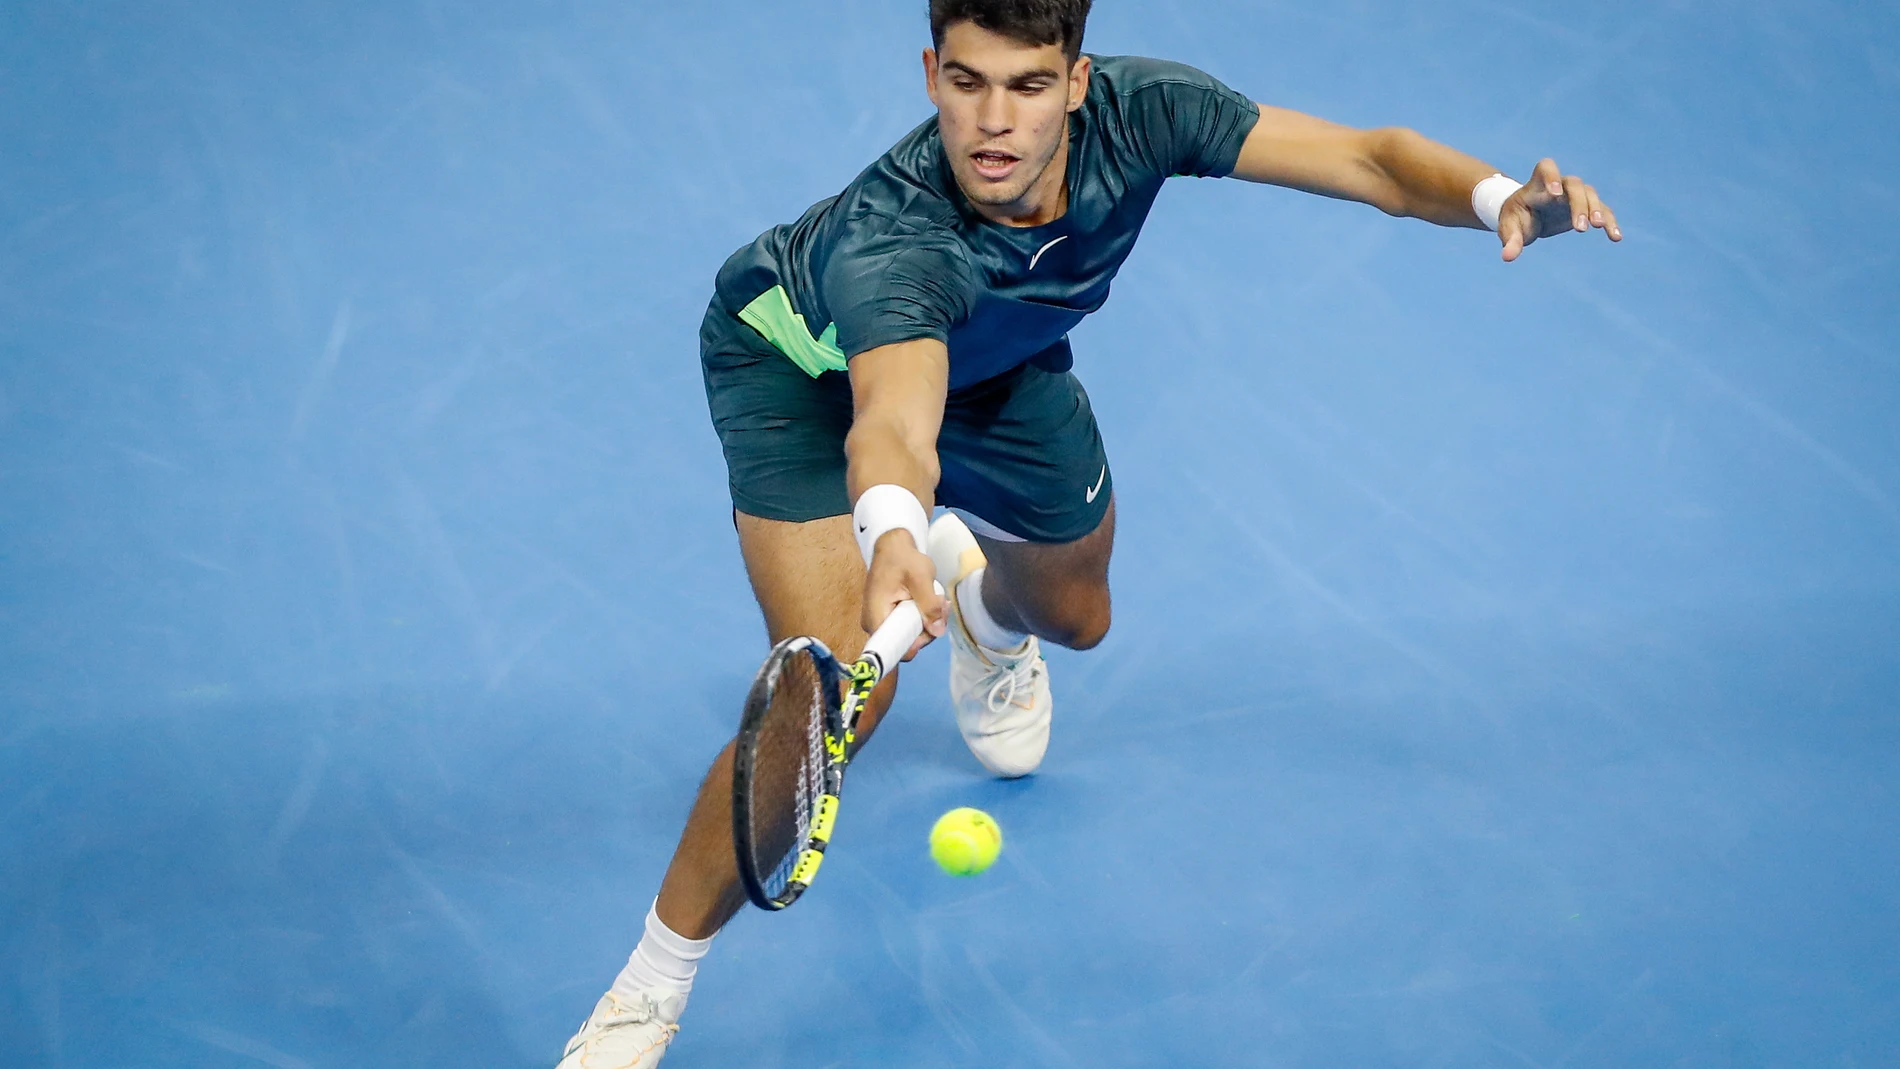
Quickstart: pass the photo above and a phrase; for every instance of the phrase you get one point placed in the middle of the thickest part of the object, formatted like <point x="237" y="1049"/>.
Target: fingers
<point x="1551" y="203"/>
<point x="1579" y="194"/>
<point x="1513" y="247"/>
<point x="1547" y="182"/>
<point x="1588" y="210"/>
<point x="1514" y="231"/>
<point x="920" y="585"/>
<point x="1602" y="216"/>
<point x="917" y="647"/>
<point x="900" y="572"/>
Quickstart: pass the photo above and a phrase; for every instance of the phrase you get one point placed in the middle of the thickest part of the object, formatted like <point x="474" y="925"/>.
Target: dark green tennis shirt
<point x="901" y="255"/>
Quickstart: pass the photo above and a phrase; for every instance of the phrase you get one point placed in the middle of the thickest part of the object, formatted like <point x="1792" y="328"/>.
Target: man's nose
<point x="993" y="116"/>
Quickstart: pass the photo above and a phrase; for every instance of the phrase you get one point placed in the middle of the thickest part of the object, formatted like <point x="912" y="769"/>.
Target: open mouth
<point x="994" y="165"/>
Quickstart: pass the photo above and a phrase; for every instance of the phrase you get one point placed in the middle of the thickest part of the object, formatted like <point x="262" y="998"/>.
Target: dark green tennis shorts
<point x="1020" y="451"/>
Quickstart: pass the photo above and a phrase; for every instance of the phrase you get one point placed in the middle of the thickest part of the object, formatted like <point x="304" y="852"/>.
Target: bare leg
<point x="809" y="580"/>
<point x="1058" y="592"/>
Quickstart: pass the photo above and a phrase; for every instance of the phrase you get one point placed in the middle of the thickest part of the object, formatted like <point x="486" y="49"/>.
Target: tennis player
<point x="905" y="344"/>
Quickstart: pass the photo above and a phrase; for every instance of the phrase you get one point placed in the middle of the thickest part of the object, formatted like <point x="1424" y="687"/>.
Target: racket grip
<point x="893" y="637"/>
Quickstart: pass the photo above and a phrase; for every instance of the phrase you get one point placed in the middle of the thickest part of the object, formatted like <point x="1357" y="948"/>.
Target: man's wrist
<point x="886" y="508"/>
<point x="1488" y="197"/>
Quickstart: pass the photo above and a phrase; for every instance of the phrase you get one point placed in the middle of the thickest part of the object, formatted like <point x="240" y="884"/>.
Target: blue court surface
<point x="1506" y="660"/>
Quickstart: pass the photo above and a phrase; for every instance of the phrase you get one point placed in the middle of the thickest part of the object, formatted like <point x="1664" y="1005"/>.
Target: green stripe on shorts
<point x="771" y="314"/>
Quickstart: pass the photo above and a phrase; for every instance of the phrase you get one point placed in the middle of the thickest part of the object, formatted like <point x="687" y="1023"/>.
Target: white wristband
<point x="1488" y="197"/>
<point x="884" y="508"/>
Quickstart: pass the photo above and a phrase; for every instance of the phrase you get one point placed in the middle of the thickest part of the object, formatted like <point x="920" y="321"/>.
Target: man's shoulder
<point x="903" y="191"/>
<point x="1122" y="76"/>
<point x="1172" y="118"/>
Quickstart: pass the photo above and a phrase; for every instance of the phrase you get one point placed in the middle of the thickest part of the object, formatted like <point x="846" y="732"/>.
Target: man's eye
<point x="1032" y="88"/>
<point x="968" y="87"/>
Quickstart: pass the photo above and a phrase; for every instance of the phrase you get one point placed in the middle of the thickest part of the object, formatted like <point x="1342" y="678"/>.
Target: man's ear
<point x="1079" y="82"/>
<point x="930" y="74"/>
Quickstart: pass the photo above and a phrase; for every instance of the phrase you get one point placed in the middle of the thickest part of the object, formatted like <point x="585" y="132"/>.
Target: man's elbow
<point x="1386" y="151"/>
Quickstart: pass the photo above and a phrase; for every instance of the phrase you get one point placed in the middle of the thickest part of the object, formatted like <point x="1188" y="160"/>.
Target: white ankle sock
<point x="976" y="616"/>
<point x="664" y="959"/>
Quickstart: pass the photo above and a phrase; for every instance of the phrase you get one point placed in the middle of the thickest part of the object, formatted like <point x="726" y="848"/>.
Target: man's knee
<point x="1077" y="622"/>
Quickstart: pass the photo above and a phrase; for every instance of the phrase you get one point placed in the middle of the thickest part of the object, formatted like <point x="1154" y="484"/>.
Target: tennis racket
<point x="800" y="724"/>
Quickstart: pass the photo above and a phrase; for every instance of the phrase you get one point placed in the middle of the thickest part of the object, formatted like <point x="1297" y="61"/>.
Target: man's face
<point x="1003" y="107"/>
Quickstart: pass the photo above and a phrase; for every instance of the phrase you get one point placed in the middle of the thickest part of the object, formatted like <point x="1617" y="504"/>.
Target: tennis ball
<point x="965" y="841"/>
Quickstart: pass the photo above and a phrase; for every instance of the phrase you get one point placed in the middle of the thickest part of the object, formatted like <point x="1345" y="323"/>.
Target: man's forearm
<point x="1431" y="181"/>
<point x="879" y="451"/>
<point x="897" y="398"/>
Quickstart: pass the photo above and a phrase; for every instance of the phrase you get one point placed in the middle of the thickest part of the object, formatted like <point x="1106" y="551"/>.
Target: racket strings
<point x="791" y="771"/>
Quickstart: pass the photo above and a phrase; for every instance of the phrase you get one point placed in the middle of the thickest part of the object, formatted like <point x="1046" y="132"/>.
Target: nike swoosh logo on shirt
<point x="1097" y="488"/>
<point x="1046" y="248"/>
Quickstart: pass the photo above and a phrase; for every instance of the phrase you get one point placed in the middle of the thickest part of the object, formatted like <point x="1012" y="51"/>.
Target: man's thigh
<point x="1055" y="566"/>
<point x="782" y="431"/>
<point x="1059" y="591"/>
<point x="1023" y="461"/>
<point x="808" y="578"/>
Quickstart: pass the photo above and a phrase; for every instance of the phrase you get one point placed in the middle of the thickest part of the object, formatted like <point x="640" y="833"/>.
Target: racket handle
<point x="893" y="637"/>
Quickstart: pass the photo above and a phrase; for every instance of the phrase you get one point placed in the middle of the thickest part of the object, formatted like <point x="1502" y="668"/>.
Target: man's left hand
<point x="1550" y="204"/>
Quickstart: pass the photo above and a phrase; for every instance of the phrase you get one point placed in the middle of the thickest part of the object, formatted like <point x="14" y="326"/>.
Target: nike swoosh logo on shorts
<point x="1097" y="488"/>
<point x="1046" y="248"/>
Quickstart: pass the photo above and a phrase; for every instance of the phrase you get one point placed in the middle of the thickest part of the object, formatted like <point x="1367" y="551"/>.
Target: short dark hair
<point x="1033" y="22"/>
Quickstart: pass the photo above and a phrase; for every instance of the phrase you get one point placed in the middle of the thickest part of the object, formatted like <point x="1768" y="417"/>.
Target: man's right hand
<point x="901" y="571"/>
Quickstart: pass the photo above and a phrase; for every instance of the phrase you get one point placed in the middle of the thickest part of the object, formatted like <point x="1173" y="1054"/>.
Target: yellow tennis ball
<point x="965" y="841"/>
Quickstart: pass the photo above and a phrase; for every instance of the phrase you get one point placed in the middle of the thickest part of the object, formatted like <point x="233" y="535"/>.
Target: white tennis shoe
<point x="1001" y="697"/>
<point x="626" y="1035"/>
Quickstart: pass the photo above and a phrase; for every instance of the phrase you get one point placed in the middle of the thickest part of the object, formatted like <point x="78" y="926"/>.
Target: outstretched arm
<point x="898" y="394"/>
<point x="1404" y="173"/>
